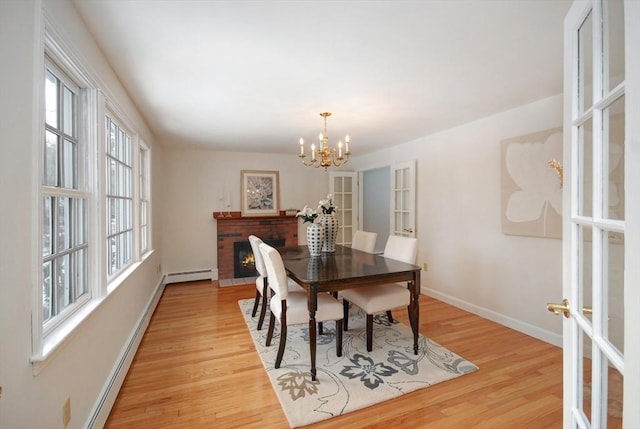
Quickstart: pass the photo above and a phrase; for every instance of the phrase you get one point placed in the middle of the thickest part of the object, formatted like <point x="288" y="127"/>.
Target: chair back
<point x="275" y="270"/>
<point x="364" y="240"/>
<point x="257" y="256"/>
<point x="403" y="249"/>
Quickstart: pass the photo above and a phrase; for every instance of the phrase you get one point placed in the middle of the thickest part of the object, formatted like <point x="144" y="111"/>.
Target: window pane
<point x="128" y="214"/>
<point x="63" y="284"/>
<point x="614" y="395"/>
<point x="69" y="108"/>
<point x="112" y="176"/>
<point x="47" y="284"/>
<point x="143" y="238"/>
<point x="585" y="185"/>
<point x="51" y="159"/>
<point x="615" y="11"/>
<point x="63" y="226"/>
<point x="586" y="373"/>
<point x="112" y="252"/>
<point x="51" y="99"/>
<point x="121" y="191"/>
<point x="120" y="148"/>
<point x="127" y="153"/>
<point x="80" y="263"/>
<point x="129" y="188"/>
<point x="585" y="273"/>
<point x="79" y="222"/>
<point x="585" y="45"/>
<point x="614" y="289"/>
<point x="614" y="119"/>
<point x="69" y="165"/>
<point x="113" y="132"/>
<point x="47" y="226"/>
<point x="143" y="213"/>
<point x="111" y="227"/>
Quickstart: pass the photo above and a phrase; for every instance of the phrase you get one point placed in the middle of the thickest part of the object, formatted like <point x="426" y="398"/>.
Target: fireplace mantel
<point x="239" y="228"/>
<point x="225" y="216"/>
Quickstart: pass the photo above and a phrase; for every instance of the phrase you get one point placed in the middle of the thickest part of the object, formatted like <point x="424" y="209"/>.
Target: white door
<point x="344" y="188"/>
<point x="403" y="199"/>
<point x="601" y="217"/>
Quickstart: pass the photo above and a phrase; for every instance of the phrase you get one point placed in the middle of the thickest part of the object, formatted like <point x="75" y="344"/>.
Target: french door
<point x="344" y="188"/>
<point x="403" y="199"/>
<point x="601" y="217"/>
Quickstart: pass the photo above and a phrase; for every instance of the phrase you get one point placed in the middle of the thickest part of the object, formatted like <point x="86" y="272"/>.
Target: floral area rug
<point x="356" y="380"/>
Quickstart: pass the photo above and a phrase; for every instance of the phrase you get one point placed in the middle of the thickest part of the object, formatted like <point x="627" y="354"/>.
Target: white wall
<point x="192" y="182"/>
<point x="471" y="262"/>
<point x="83" y="364"/>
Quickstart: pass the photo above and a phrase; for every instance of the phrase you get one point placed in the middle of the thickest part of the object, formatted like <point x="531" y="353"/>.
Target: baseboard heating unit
<point x="188" y="276"/>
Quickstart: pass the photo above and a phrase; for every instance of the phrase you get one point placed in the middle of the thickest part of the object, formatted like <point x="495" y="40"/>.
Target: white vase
<point x="315" y="238"/>
<point x="330" y="224"/>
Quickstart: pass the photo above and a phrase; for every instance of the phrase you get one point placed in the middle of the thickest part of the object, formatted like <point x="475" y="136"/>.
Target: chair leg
<point x="345" y="314"/>
<point x="263" y="309"/>
<point x="272" y="322"/>
<point x="283" y="340"/>
<point x="369" y="332"/>
<point x="339" y="338"/>
<point x="320" y="330"/>
<point x="389" y="316"/>
<point x="255" y="304"/>
<point x="263" y="312"/>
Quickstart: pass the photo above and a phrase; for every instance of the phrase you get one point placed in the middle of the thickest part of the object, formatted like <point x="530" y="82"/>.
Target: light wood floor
<point x="197" y="368"/>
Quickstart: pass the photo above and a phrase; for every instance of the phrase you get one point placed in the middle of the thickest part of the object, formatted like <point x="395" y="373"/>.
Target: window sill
<point x="63" y="333"/>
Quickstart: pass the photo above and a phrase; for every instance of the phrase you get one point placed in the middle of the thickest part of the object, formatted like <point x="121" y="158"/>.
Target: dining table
<point x="348" y="268"/>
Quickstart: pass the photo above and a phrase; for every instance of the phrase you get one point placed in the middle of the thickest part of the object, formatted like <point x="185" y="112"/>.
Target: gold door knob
<point x="556" y="308"/>
<point x="409" y="230"/>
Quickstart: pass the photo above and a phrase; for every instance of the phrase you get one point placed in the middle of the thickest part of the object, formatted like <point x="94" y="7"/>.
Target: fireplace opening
<point x="243" y="262"/>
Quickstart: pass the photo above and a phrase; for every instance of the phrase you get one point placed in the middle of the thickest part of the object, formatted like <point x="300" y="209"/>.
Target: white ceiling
<point x="254" y="75"/>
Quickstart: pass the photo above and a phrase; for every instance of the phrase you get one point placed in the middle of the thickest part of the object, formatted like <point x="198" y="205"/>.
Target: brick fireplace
<point x="237" y="229"/>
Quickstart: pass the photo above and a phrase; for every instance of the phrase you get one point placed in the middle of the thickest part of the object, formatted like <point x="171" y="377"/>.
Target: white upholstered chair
<point x="365" y="241"/>
<point x="290" y="308"/>
<point x="262" y="284"/>
<point x="375" y="299"/>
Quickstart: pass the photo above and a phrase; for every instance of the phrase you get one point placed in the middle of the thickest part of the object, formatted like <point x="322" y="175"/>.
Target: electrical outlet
<point x="424" y="266"/>
<point x="66" y="412"/>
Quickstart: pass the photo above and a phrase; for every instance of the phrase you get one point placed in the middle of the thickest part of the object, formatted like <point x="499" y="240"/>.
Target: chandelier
<point x="324" y="156"/>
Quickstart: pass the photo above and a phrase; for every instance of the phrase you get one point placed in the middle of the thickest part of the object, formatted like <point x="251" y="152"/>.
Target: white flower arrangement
<point x="327" y="205"/>
<point x="307" y="214"/>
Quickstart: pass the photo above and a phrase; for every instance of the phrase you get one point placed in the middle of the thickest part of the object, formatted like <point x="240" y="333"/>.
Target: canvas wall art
<point x="531" y="191"/>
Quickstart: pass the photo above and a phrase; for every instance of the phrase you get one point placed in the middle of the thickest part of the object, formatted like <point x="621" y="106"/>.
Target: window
<point x="143" y="172"/>
<point x="64" y="201"/>
<point x="94" y="199"/>
<point x="119" y="196"/>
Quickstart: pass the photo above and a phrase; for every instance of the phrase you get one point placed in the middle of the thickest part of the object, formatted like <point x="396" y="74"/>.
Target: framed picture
<point x="260" y="193"/>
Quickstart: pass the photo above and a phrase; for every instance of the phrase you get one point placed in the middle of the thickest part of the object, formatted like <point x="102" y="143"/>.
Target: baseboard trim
<point x="509" y="322"/>
<point x="102" y="408"/>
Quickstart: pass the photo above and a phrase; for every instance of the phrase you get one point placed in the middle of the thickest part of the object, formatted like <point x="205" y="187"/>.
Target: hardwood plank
<point x="196" y="367"/>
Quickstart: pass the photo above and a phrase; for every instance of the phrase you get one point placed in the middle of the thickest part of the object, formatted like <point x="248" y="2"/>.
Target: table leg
<point x="415" y="309"/>
<point x="312" y="305"/>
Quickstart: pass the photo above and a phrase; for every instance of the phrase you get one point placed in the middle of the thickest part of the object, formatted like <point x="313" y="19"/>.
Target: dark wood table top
<point x="343" y="268"/>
